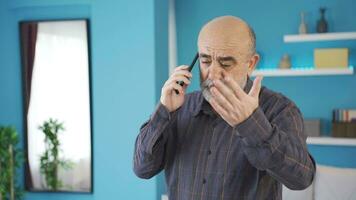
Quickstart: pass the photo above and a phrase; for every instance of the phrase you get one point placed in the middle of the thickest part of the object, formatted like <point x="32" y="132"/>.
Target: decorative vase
<point x="322" y="26"/>
<point x="303" y="26"/>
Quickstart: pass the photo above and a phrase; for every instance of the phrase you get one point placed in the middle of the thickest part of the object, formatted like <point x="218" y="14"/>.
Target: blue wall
<point x="161" y="40"/>
<point x="129" y="59"/>
<point x="124" y="72"/>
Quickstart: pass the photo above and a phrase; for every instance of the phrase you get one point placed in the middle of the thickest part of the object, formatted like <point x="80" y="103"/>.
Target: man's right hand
<point x="169" y="98"/>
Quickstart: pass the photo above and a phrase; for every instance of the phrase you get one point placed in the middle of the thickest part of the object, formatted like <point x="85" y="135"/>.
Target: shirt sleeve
<point x="150" y="143"/>
<point x="278" y="146"/>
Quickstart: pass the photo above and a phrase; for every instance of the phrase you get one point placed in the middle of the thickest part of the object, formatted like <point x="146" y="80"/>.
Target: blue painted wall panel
<point x="123" y="84"/>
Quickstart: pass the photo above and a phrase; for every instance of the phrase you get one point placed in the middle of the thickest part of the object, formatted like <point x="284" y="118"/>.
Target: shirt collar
<point x="204" y="106"/>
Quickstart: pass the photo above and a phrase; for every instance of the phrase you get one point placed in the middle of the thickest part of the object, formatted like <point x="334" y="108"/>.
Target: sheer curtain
<point x="172" y="36"/>
<point x="60" y="90"/>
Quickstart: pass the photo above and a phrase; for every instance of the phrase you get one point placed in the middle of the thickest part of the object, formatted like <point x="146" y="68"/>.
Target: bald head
<point x="228" y="32"/>
<point x="226" y="48"/>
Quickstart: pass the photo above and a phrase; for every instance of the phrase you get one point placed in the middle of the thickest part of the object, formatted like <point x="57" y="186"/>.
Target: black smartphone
<point x="189" y="69"/>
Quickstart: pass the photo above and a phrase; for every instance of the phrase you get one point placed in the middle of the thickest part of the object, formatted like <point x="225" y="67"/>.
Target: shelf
<point x="304" y="72"/>
<point x="311" y="37"/>
<point x="331" y="141"/>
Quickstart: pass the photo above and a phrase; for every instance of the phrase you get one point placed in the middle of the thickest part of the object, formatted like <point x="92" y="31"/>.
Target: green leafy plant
<point x="50" y="160"/>
<point x="11" y="158"/>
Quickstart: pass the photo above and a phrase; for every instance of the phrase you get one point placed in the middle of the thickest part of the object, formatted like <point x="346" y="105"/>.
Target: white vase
<point x="303" y="26"/>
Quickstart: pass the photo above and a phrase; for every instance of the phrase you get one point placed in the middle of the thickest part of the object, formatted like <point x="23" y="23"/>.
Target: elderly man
<point x="234" y="139"/>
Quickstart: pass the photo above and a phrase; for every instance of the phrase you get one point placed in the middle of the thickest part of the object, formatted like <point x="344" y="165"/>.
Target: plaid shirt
<point x="205" y="158"/>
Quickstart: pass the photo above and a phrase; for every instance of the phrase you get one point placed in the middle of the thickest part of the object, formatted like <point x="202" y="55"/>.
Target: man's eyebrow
<point x="203" y="55"/>
<point x="226" y="59"/>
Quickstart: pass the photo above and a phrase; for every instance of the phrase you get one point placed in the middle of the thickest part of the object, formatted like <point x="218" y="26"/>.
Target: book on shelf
<point x="344" y="115"/>
<point x="344" y="123"/>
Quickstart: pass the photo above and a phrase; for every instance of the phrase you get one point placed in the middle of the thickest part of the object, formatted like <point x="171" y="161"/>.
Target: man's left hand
<point x="231" y="102"/>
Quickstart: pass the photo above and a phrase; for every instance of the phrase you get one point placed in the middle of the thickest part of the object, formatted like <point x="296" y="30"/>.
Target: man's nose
<point x="215" y="72"/>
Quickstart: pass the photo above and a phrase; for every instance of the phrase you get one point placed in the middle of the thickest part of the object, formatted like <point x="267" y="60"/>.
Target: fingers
<point x="256" y="87"/>
<point x="178" y="88"/>
<point x="231" y="102"/>
<point x="237" y="90"/>
<point x="220" y="110"/>
<point x="174" y="86"/>
<point x="178" y="78"/>
<point x="182" y="72"/>
<point x="226" y="91"/>
<point x="221" y="99"/>
<point x="184" y="67"/>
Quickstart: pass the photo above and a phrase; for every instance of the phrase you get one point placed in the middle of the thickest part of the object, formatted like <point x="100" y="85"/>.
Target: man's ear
<point x="253" y="63"/>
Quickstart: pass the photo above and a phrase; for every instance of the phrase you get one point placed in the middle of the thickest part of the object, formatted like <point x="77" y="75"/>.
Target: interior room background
<point x="129" y="64"/>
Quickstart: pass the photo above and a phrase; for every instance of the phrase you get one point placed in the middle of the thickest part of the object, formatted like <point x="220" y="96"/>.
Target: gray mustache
<point x="206" y="84"/>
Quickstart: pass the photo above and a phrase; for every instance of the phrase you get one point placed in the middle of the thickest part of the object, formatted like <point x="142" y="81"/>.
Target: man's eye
<point x="226" y="65"/>
<point x="205" y="62"/>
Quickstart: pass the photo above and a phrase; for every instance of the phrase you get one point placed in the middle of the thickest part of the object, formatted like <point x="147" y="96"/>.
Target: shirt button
<point x="204" y="181"/>
<point x="209" y="152"/>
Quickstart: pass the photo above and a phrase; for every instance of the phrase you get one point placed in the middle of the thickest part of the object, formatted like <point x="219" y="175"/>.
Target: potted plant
<point x="11" y="158"/>
<point x="50" y="160"/>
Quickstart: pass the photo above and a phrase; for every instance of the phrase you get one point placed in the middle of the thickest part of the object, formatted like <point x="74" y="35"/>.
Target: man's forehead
<point x="219" y="47"/>
<point x="221" y="51"/>
<point x="223" y="43"/>
<point x="232" y="41"/>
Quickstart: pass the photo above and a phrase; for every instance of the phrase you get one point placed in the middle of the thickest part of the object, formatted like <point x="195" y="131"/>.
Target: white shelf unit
<point x="303" y="72"/>
<point x="331" y="141"/>
<point x="312" y="37"/>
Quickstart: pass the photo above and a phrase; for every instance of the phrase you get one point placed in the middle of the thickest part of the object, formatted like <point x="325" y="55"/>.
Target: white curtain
<point x="172" y="36"/>
<point x="60" y="90"/>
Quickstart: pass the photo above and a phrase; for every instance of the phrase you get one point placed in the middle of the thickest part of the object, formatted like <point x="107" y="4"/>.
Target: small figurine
<point x="285" y="62"/>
